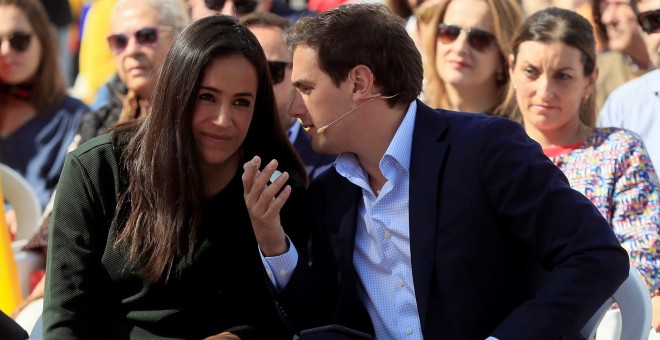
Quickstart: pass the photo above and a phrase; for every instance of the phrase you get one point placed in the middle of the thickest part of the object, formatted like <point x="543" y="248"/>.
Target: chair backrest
<point x="23" y="200"/>
<point x="634" y="302"/>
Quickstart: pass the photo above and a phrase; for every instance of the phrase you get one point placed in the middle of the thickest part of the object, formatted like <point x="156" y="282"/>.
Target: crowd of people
<point x="245" y="170"/>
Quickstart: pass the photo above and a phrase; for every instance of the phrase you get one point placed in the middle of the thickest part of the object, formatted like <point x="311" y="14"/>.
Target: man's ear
<point x="362" y="80"/>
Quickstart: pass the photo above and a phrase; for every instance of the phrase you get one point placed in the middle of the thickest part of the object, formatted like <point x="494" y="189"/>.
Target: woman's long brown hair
<point x="162" y="205"/>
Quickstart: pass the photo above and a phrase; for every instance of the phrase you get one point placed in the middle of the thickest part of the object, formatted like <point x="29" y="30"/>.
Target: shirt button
<point x="400" y="283"/>
<point x="388" y="235"/>
<point x="409" y="330"/>
<point x="282" y="273"/>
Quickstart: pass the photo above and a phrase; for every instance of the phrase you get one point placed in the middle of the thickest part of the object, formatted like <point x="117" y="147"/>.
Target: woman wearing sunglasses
<point x="37" y="119"/>
<point x="143" y="31"/>
<point x="464" y="56"/>
<point x="553" y="72"/>
<point x="150" y="235"/>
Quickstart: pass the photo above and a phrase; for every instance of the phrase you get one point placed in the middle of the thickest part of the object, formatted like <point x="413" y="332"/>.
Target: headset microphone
<point x="322" y="129"/>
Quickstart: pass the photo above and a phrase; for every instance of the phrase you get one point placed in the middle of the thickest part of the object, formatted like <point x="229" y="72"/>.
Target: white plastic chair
<point x="632" y="321"/>
<point x="29" y="316"/>
<point x="18" y="192"/>
<point x="24" y="202"/>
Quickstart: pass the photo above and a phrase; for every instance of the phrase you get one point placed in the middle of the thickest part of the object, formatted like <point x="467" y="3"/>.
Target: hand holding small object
<point x="264" y="204"/>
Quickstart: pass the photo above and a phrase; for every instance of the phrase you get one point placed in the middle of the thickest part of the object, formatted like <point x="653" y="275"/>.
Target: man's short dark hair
<point x="363" y="34"/>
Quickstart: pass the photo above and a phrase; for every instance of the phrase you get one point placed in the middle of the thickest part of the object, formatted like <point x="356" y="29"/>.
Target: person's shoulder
<point x="618" y="134"/>
<point x="475" y="122"/>
<point x="98" y="145"/>
<point x="107" y="114"/>
<point x="632" y="89"/>
<point x="465" y="127"/>
<point x="461" y="117"/>
<point x="74" y="105"/>
<point x="618" y="139"/>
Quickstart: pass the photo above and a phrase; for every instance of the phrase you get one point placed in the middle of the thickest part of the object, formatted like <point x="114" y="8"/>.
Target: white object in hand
<point x="275" y="176"/>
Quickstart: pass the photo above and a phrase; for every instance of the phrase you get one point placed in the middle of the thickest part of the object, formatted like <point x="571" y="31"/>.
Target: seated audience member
<point x="269" y="30"/>
<point x="635" y="105"/>
<point x="432" y="224"/>
<point x="553" y="71"/>
<point x="150" y="236"/>
<point x="37" y="119"/>
<point x="465" y="56"/>
<point x="142" y="32"/>
<point x="131" y="89"/>
<point x="626" y="57"/>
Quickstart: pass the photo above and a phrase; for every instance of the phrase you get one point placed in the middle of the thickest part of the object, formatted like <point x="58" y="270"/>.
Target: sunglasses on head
<point x="145" y="36"/>
<point x="277" y="70"/>
<point x="477" y="38"/>
<point x="650" y="21"/>
<point x="242" y="6"/>
<point x="18" y="41"/>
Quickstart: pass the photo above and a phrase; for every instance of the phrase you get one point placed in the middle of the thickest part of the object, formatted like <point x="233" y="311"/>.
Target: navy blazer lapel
<point x="426" y="159"/>
<point x="343" y="201"/>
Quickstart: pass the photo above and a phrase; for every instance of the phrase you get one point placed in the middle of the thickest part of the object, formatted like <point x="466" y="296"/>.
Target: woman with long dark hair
<point x="150" y="235"/>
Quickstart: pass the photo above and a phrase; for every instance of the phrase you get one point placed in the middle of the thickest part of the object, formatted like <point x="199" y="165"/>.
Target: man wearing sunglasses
<point x="636" y="105"/>
<point x="269" y="30"/>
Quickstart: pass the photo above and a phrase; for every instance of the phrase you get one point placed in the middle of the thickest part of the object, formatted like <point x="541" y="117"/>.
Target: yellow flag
<point x="10" y="292"/>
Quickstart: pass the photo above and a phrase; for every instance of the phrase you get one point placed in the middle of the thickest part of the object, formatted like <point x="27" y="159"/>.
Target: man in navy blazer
<point x="432" y="224"/>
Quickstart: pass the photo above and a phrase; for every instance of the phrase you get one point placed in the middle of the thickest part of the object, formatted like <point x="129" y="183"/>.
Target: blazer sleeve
<point x="558" y="225"/>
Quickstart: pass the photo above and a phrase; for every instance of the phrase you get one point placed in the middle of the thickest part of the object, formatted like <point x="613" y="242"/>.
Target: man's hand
<point x="264" y="205"/>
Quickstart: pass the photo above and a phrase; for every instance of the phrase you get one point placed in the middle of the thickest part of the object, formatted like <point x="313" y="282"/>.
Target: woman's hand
<point x="264" y="205"/>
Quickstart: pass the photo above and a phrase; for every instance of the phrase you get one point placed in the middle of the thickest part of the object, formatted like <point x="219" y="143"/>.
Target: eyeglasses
<point x="242" y="6"/>
<point x="650" y="21"/>
<point x="145" y="36"/>
<point x="477" y="38"/>
<point x="18" y="41"/>
<point x="277" y="70"/>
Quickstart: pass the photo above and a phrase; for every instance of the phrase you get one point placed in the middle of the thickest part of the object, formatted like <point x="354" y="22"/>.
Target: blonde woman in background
<point x="465" y="55"/>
